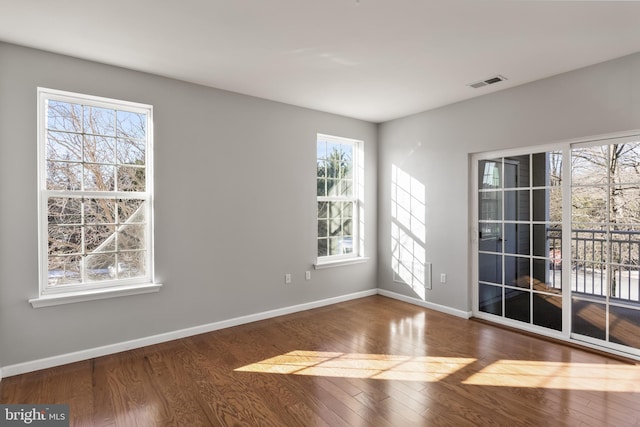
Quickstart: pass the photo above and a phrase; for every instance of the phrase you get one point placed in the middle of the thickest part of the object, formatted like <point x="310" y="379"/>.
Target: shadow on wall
<point x="408" y="232"/>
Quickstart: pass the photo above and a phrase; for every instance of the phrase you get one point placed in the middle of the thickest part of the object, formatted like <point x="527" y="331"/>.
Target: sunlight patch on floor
<point x="559" y="375"/>
<point x="355" y="365"/>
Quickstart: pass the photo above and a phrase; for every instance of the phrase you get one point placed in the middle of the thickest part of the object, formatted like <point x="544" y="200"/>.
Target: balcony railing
<point x="593" y="253"/>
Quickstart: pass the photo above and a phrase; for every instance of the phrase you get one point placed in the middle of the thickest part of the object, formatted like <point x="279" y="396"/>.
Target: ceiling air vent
<point x="489" y="81"/>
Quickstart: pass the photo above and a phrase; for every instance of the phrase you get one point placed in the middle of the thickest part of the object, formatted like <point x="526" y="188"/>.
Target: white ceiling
<point x="370" y="59"/>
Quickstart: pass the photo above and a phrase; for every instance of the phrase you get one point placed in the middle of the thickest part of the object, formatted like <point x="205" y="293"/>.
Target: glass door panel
<point x="605" y="243"/>
<point x="523" y="275"/>
<point x="520" y="236"/>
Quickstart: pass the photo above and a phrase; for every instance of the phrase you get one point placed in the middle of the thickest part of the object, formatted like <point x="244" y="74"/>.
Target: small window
<point x="339" y="181"/>
<point x="95" y="205"/>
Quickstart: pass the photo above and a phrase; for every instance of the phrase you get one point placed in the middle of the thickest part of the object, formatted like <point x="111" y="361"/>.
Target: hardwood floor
<point x="373" y="361"/>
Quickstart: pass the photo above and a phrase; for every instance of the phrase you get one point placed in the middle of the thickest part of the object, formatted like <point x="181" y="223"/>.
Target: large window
<point x="338" y="193"/>
<point x="95" y="193"/>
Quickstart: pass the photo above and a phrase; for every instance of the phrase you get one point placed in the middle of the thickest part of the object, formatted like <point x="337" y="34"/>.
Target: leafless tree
<point x="606" y="200"/>
<point x="99" y="150"/>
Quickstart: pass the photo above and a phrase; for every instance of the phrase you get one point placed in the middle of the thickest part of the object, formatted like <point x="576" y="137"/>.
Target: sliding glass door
<point x="519" y="238"/>
<point x="605" y="243"/>
<point x="557" y="242"/>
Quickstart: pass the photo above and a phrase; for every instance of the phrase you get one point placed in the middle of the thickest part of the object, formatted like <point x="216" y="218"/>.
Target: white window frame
<point x="357" y="253"/>
<point x="88" y="290"/>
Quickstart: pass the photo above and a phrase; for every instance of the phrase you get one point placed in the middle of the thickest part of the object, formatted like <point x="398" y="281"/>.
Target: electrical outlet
<point x="287" y="279"/>
<point x="307" y="275"/>
<point x="443" y="277"/>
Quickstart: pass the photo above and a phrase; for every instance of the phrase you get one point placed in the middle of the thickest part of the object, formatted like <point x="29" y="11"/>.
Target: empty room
<point x="329" y="213"/>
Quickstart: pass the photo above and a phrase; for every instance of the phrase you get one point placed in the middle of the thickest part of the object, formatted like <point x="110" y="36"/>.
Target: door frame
<point x="565" y="147"/>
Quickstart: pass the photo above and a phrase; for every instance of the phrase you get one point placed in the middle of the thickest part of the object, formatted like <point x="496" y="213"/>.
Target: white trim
<point x="357" y="198"/>
<point x="49" y="362"/>
<point x="425" y="304"/>
<point x="625" y="136"/>
<point x="93" y="294"/>
<point x="606" y="346"/>
<point x="527" y="327"/>
<point x="0" y="374"/>
<point x="339" y="262"/>
<point x="49" y="295"/>
<point x="603" y="137"/>
<point x="567" y="201"/>
<point x="98" y="101"/>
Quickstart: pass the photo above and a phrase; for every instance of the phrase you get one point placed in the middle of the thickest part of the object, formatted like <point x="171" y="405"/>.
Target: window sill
<point x="339" y="262"/>
<point x="93" y="294"/>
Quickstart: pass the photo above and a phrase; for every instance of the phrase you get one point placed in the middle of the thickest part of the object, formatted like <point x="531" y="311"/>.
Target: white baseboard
<point x="426" y="304"/>
<point x="77" y="356"/>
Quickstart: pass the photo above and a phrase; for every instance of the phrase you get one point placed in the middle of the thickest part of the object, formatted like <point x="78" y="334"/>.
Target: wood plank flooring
<point x="373" y="361"/>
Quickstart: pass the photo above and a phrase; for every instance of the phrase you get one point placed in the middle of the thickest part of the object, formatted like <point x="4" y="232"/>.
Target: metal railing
<point x="598" y="256"/>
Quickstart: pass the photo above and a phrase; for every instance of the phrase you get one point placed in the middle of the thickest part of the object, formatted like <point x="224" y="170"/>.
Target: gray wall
<point x="434" y="147"/>
<point x="235" y="193"/>
<point x="234" y="208"/>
